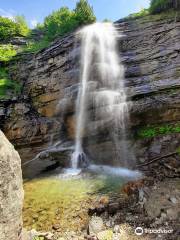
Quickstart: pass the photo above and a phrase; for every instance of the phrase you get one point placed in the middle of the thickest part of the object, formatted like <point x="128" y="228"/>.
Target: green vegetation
<point x="154" y="131"/>
<point x="7" y="51"/>
<point x="34" y="47"/>
<point x="7" y="85"/>
<point x="64" y="20"/>
<point x="84" y="13"/>
<point x="144" y="12"/>
<point x="22" y="25"/>
<point x="12" y="28"/>
<point x="61" y="22"/>
<point x="9" y="29"/>
<point x="158" y="6"/>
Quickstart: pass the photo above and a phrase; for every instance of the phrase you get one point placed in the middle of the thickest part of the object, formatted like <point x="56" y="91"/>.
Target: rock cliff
<point x="149" y="48"/>
<point x="11" y="193"/>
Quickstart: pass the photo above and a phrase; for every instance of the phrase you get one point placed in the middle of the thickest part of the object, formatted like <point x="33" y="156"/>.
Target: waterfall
<point x="101" y="79"/>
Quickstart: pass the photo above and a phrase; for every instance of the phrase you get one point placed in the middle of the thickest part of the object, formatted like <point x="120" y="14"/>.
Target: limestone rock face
<point x="45" y="111"/>
<point x="11" y="191"/>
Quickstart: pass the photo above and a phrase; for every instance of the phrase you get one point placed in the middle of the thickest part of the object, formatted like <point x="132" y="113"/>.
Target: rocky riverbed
<point x="104" y="208"/>
<point x="63" y="205"/>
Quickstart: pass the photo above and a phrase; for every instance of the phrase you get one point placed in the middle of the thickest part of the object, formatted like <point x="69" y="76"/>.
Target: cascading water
<point x="100" y="67"/>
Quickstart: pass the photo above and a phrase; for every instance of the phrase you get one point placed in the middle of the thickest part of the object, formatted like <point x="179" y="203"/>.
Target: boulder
<point x="11" y="191"/>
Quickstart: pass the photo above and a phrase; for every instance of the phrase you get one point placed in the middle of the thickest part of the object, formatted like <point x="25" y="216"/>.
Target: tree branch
<point x="157" y="159"/>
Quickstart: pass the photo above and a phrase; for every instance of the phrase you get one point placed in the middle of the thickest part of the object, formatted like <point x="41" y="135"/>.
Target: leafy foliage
<point x="34" y="47"/>
<point x="144" y="12"/>
<point x="158" y="6"/>
<point x="7" y="51"/>
<point x="158" y="130"/>
<point x="8" y="28"/>
<point x="59" y="23"/>
<point x="64" y="20"/>
<point x="22" y="26"/>
<point x="11" y="28"/>
<point x="7" y="85"/>
<point x="84" y="13"/>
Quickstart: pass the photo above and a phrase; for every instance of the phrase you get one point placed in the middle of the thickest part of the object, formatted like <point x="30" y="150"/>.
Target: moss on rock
<point x="153" y="131"/>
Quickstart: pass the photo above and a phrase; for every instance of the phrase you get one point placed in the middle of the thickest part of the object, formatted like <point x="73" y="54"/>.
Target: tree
<point x="8" y="28"/>
<point x="64" y="20"/>
<point x="59" y="22"/>
<point x="11" y="28"/>
<point x="158" y="6"/>
<point x="84" y="13"/>
<point x="21" y="24"/>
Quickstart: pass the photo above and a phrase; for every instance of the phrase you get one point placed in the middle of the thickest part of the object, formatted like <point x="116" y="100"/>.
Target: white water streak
<point x="100" y="63"/>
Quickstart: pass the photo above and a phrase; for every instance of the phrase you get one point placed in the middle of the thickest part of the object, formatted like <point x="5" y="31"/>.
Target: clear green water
<point x="52" y="201"/>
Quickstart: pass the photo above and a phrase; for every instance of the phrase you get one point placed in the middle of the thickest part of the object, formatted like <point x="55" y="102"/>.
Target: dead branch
<point x="157" y="159"/>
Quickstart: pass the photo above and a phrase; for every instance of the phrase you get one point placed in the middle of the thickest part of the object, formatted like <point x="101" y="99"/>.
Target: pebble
<point x="172" y="214"/>
<point x="116" y="229"/>
<point x="173" y="200"/>
<point x="96" y="225"/>
<point x="56" y="226"/>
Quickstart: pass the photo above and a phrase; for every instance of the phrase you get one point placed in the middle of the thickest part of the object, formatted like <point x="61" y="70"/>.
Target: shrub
<point x="158" y="6"/>
<point x="64" y="20"/>
<point x="144" y="12"/>
<point x="59" y="23"/>
<point x="34" y="47"/>
<point x="22" y="25"/>
<point x="11" y="28"/>
<point x="7" y="51"/>
<point x="153" y="131"/>
<point x="8" y="28"/>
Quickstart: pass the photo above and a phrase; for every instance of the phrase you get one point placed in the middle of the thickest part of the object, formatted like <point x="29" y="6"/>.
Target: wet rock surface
<point x="149" y="50"/>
